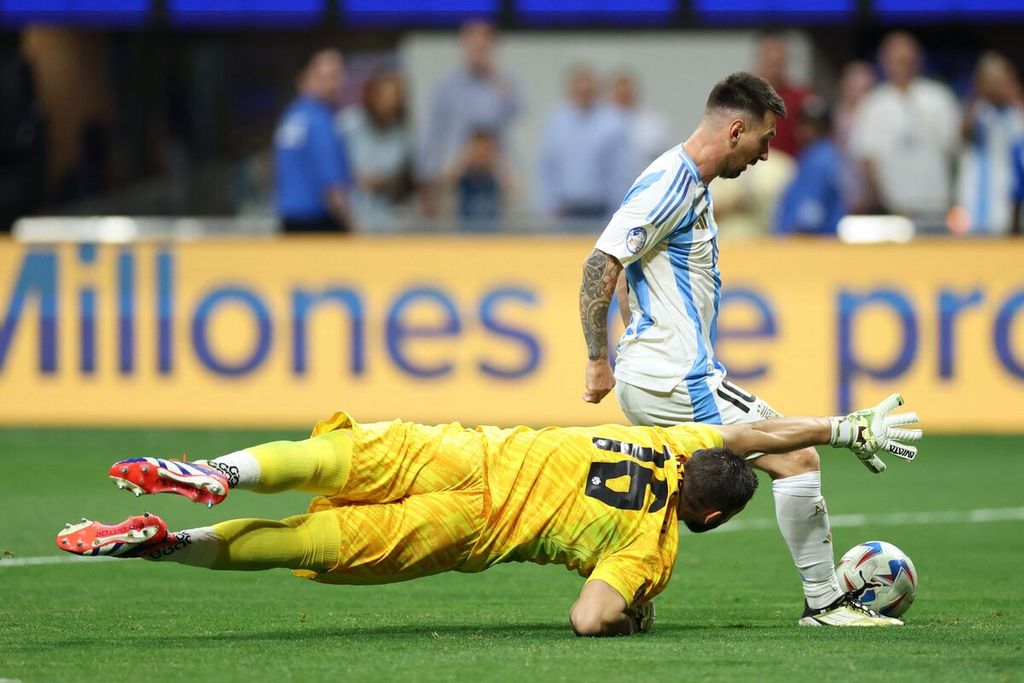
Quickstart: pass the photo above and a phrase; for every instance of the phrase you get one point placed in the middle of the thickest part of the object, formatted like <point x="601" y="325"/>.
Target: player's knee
<point x="792" y="464"/>
<point x="806" y="460"/>
<point x="320" y="538"/>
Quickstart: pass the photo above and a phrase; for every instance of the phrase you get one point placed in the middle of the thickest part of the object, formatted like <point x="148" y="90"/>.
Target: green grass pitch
<point x="729" y="614"/>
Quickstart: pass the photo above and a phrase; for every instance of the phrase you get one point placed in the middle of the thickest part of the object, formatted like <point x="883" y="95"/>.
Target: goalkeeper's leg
<point x="318" y="465"/>
<point x="376" y="463"/>
<point x="308" y="542"/>
<point x="417" y="536"/>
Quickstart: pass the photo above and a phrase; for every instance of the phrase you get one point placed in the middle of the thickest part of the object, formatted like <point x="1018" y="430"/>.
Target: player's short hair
<point x="718" y="479"/>
<point x="748" y="93"/>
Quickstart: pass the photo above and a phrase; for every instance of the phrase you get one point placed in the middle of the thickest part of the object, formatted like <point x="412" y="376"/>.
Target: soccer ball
<point x="881" y="575"/>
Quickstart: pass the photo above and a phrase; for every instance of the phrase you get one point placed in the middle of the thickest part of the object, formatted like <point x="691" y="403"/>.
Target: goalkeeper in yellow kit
<point x="397" y="500"/>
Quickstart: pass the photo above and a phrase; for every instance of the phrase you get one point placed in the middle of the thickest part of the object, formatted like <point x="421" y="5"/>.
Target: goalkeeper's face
<point x="748" y="143"/>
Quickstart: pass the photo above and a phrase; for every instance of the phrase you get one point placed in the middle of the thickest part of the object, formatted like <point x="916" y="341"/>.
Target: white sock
<point x="241" y="468"/>
<point x="195" y="547"/>
<point x="803" y="520"/>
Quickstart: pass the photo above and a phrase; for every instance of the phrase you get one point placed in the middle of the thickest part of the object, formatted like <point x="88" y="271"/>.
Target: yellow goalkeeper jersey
<point x="601" y="500"/>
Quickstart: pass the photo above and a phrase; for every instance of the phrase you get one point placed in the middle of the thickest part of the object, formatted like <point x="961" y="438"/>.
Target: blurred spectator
<point x="312" y="172"/>
<point x="481" y="183"/>
<point x="381" y="151"/>
<point x="22" y="140"/>
<point x="773" y="66"/>
<point x="476" y="96"/>
<point x="993" y="122"/>
<point x="856" y="81"/>
<point x="813" y="202"/>
<point x="584" y="157"/>
<point x="905" y="135"/>
<point x="648" y="130"/>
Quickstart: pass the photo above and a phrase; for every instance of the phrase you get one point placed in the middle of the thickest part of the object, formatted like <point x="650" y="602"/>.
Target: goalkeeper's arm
<point x="776" y="436"/>
<point x="864" y="432"/>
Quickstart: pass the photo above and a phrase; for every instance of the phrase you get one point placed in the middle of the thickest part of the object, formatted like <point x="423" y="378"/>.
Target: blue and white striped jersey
<point x="665" y="236"/>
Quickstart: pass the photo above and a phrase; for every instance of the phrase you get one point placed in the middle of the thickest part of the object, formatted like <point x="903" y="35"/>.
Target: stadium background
<point x="148" y="306"/>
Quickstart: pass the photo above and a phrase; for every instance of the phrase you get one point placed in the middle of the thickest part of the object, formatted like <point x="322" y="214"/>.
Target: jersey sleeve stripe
<point x="673" y="206"/>
<point x="642" y="184"/>
<point x="671" y="190"/>
<point x="690" y="164"/>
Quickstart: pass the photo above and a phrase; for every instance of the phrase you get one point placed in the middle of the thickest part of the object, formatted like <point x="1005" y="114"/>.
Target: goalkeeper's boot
<point x="846" y="611"/>
<point x="138" y="535"/>
<point x="200" y="483"/>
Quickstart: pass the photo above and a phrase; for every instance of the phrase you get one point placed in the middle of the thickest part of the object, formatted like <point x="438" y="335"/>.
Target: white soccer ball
<point x="882" y="576"/>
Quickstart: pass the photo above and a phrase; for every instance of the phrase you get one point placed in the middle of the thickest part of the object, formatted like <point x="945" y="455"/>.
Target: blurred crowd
<point x="348" y="153"/>
<point x="889" y="140"/>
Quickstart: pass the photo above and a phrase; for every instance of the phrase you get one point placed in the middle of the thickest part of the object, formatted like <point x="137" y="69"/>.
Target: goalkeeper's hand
<point x="641" y="617"/>
<point x="866" y="432"/>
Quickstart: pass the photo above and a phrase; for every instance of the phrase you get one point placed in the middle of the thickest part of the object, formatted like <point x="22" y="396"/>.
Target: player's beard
<point x="733" y="172"/>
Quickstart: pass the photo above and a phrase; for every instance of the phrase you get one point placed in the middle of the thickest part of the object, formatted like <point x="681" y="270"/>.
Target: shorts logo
<point x="635" y="240"/>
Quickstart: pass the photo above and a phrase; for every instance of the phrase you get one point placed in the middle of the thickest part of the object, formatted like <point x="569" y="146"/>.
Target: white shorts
<point x="721" y="403"/>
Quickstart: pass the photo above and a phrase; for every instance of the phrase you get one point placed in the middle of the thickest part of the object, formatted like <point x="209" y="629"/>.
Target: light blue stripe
<point x="683" y="227"/>
<point x="981" y="207"/>
<point x="642" y="184"/>
<point x="689" y="162"/>
<point x="668" y="194"/>
<point x="717" y="275"/>
<point x="676" y="203"/>
<point x="704" y="407"/>
<point x="635" y="278"/>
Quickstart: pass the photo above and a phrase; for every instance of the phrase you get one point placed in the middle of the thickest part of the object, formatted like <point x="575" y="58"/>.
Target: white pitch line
<point x="896" y="519"/>
<point x="51" y="559"/>
<point x="892" y="519"/>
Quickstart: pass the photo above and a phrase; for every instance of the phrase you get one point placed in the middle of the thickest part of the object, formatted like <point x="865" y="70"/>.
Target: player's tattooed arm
<point x="600" y="275"/>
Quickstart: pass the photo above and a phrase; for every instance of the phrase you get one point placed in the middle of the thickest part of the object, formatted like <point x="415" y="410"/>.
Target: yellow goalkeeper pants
<point x="396" y="501"/>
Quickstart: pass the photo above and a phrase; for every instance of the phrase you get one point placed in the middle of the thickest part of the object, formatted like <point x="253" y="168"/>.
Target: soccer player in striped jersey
<point x="664" y="238"/>
<point x="398" y="500"/>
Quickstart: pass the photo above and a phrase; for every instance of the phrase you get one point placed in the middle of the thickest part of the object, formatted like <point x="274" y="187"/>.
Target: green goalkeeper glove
<point x="866" y="432"/>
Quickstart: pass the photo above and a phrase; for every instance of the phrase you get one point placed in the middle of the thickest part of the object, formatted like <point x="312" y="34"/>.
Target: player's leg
<point x="796" y="478"/>
<point x="382" y="543"/>
<point x="802" y="516"/>
<point x="349" y="462"/>
<point x="310" y="542"/>
<point x="800" y="508"/>
<point x="406" y="539"/>
<point x="318" y="465"/>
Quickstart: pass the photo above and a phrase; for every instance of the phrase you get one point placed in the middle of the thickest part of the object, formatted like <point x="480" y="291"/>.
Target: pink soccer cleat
<point x="199" y="483"/>
<point x="137" y="535"/>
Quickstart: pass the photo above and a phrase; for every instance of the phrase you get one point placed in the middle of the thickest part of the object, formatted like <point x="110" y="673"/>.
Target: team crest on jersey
<point x="635" y="240"/>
